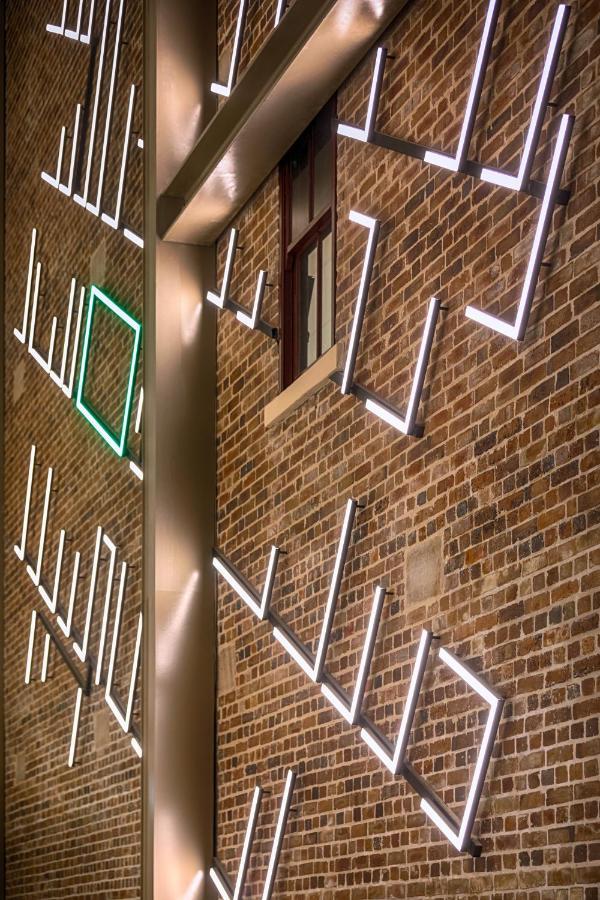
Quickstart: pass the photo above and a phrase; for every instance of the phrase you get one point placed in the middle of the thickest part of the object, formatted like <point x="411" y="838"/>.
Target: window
<point x="308" y="203"/>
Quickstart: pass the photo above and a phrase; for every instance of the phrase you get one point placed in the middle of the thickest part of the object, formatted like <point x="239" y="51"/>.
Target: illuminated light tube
<point x="68" y="388"/>
<point x="52" y="180"/>
<point x="59" y="29"/>
<point x="250" y="320"/>
<point x="377" y="745"/>
<point x="517" y="330"/>
<point x="137" y="471"/>
<point x="46" y="364"/>
<point x="124" y="721"/>
<point x="115" y="220"/>
<point x="45" y="659"/>
<point x="138" y="415"/>
<point x="456" y="163"/>
<point x="73" y="33"/>
<point x="30" y="646"/>
<point x="352" y="713"/>
<point x="75" y="728"/>
<point x="67" y="188"/>
<point x="140" y="143"/>
<point x="137" y="747"/>
<point x="81" y="649"/>
<point x="218" y="877"/>
<point x="281" y="8"/>
<point x="461" y="837"/>
<point x="22" y="334"/>
<point x="85" y="38"/>
<point x="65" y="627"/>
<point x="20" y="547"/>
<point x="366" y="134"/>
<point x="59" y="378"/>
<point x="219" y="299"/>
<point x="107" y="598"/>
<point x="261" y="607"/>
<point x="359" y="312"/>
<point x="225" y="89"/>
<point x="279" y="834"/>
<point x="36" y="573"/>
<point x="408" y="424"/>
<point x="517" y="182"/>
<point x="306" y="663"/>
<point x="82" y="199"/>
<point x="52" y="602"/>
<point x="133" y="237"/>
<point x="94" y="208"/>
<point x="116" y="440"/>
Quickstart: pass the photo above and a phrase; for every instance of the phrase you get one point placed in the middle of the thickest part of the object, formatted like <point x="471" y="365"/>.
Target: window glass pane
<point x="323" y="163"/>
<point x="327" y="293"/>
<point x="300" y="173"/>
<point x="308" y="294"/>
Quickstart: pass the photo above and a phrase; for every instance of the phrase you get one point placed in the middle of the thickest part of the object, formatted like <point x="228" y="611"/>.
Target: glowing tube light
<point x="20" y="547"/>
<point x="365" y="280"/>
<point x="68" y="187"/>
<point x="259" y="608"/>
<point x="30" y="646"/>
<point x="36" y="573"/>
<point x="408" y="423"/>
<point x="133" y="237"/>
<point x="46" y="364"/>
<point x="124" y="721"/>
<point x="218" y="878"/>
<point x="518" y="182"/>
<point x="85" y="38"/>
<point x="114" y="221"/>
<point x="75" y="728"/>
<point x="394" y="762"/>
<point x="281" y="8"/>
<point x="456" y="163"/>
<point x="68" y="388"/>
<point x="352" y="713"/>
<point x="22" y="334"/>
<point x="250" y="320"/>
<point x="81" y="649"/>
<point x="517" y="330"/>
<point x="107" y="598"/>
<point x="59" y="378"/>
<point x="219" y="299"/>
<point x="137" y="747"/>
<point x="460" y="838"/>
<point x="59" y="29"/>
<point x="45" y="659"/>
<point x="54" y="180"/>
<point x="366" y="134"/>
<point x="73" y="33"/>
<point x="65" y="626"/>
<point x="279" y="834"/>
<point x="137" y="471"/>
<point x="225" y="89"/>
<point x="52" y="602"/>
<point x="138" y="415"/>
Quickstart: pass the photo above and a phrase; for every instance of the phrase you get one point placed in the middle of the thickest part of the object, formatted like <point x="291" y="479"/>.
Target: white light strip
<point x="107" y="599"/>
<point x="85" y="38"/>
<point x="67" y="188"/>
<point x="68" y="389"/>
<point x="461" y="839"/>
<point x="456" y="163"/>
<point x="393" y="763"/>
<point x="81" y="199"/>
<point x="59" y="29"/>
<point x="59" y="378"/>
<point x="279" y="834"/>
<point x="75" y="728"/>
<point x="216" y="878"/>
<point x="363" y="291"/>
<point x="73" y="33"/>
<point x="518" y="329"/>
<point x="46" y="364"/>
<point x="238" y="587"/>
<point x="114" y="221"/>
<point x="518" y="182"/>
<point x="281" y="8"/>
<point x="290" y="647"/>
<point x="124" y="722"/>
<point x="225" y="89"/>
<point x="45" y="659"/>
<point x="65" y="627"/>
<point x="94" y="208"/>
<point x="260" y="610"/>
<point x="20" y="548"/>
<point x="36" y="573"/>
<point x="81" y="650"/>
<point x="133" y="237"/>
<point x="22" y="335"/>
<point x="219" y="299"/>
<point x="250" y="320"/>
<point x="224" y="891"/>
<point x="366" y="134"/>
<point x="30" y="647"/>
<point x="138" y="415"/>
<point x="136" y="746"/>
<point x="352" y="714"/>
<point x="52" y="180"/>
<point x="51" y="602"/>
<point x="136" y="470"/>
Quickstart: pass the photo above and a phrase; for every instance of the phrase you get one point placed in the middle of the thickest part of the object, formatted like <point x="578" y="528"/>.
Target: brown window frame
<point x="292" y="251"/>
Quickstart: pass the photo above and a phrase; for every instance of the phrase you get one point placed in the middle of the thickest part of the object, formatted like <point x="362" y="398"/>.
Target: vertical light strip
<point x="138" y="415"/>
<point x="281" y="8"/>
<point x="22" y="335"/>
<point x="30" y="646"/>
<point x="85" y="38"/>
<point x="124" y="722"/>
<point x="35" y="574"/>
<point x="456" y="163"/>
<point x="75" y="728"/>
<point x="45" y="659"/>
<point x="114" y="221"/>
<point x="68" y="187"/>
<point x="52" y="602"/>
<point x="81" y="650"/>
<point x="221" y="298"/>
<point x="250" y="320"/>
<point x="373" y="226"/>
<point x="20" y="548"/>
<point x="54" y="180"/>
<point x="73" y="33"/>
<point x="60" y="378"/>
<point x="68" y="389"/>
<point x="279" y="834"/>
<point x="45" y="364"/>
<point x="107" y="599"/>
<point x="59" y="29"/>
<point x="225" y="89"/>
<point x="366" y="134"/>
<point x="65" y="627"/>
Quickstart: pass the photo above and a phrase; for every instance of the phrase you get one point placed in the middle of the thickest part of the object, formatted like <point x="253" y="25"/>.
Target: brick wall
<point x="484" y="530"/>
<point x="69" y="832"/>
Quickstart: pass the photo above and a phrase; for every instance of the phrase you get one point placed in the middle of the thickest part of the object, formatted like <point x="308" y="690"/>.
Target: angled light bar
<point x="460" y="838"/>
<point x="75" y="728"/>
<point x="517" y="182"/>
<point x="219" y="299"/>
<point x="137" y="747"/>
<point x="68" y="388"/>
<point x="250" y="320"/>
<point x="279" y="834"/>
<point x="22" y="334"/>
<point x="36" y="573"/>
<point x="517" y="330"/>
<point x="67" y="188"/>
<point x="225" y="89"/>
<point x="85" y="38"/>
<point x="218" y="876"/>
<point x="21" y="546"/>
<point x="73" y="33"/>
<point x="259" y="606"/>
<point x="123" y="720"/>
<point x="352" y="713"/>
<point x="133" y="237"/>
<point x="30" y="647"/>
<point x="314" y="669"/>
<point x="59" y="29"/>
<point x="45" y="659"/>
<point x="54" y="180"/>
<point x="59" y="378"/>
<point x="81" y="649"/>
<point x="107" y="599"/>
<point x="378" y="744"/>
<point x="65" y="626"/>
<point x="52" y="601"/>
<point x="457" y="162"/>
<point x="366" y="134"/>
<point x="359" y="311"/>
<point x="115" y="220"/>
<point x="46" y="364"/>
<point x="281" y="8"/>
<point x="138" y="415"/>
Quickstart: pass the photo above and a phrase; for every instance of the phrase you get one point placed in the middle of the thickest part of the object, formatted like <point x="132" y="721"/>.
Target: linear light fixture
<point x="115" y="220"/>
<point x="67" y="188"/>
<point x="81" y="648"/>
<point x="59" y="29"/>
<point x="457" y="162"/>
<point x="123" y="720"/>
<point x="219" y="299"/>
<point x="73" y="33"/>
<point x="366" y="134"/>
<point x="45" y="364"/>
<point x="517" y="182"/>
<point x="65" y="626"/>
<point x="379" y="745"/>
<point x="52" y="601"/>
<point x="35" y="573"/>
<point x="314" y="668"/>
<point x="352" y="712"/>
<point x="30" y="647"/>
<point x="22" y="334"/>
<point x="281" y="8"/>
<point x="21" y="546"/>
<point x="225" y="89"/>
<point x="54" y="180"/>
<point x="107" y="600"/>
<point x="517" y="330"/>
<point x="284" y="810"/>
<point x="45" y="659"/>
<point x="460" y="838"/>
<point x="373" y="226"/>
<point x="137" y="747"/>
<point x="117" y="440"/>
<point x="68" y="388"/>
<point x="75" y="728"/>
<point x="259" y="606"/>
<point x="250" y="320"/>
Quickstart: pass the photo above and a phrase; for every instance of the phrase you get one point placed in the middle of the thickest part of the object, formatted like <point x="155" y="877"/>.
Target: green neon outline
<point x="115" y="440"/>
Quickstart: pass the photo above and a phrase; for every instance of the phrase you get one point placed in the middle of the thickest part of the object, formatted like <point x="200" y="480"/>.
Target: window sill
<point x="303" y="387"/>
